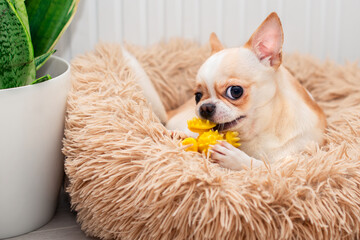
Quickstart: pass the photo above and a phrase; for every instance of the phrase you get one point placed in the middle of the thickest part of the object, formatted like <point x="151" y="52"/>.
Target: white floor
<point x="62" y="226"/>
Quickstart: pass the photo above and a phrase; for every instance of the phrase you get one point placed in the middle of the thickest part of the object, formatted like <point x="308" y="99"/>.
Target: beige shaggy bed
<point x="128" y="179"/>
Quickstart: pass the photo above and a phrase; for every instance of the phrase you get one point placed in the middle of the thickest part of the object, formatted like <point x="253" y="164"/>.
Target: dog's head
<point x="234" y="82"/>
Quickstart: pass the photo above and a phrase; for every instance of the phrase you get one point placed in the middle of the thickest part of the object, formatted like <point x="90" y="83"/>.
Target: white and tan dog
<point x="247" y="90"/>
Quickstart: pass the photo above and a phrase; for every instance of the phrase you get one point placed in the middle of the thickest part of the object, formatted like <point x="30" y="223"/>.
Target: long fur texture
<point x="128" y="179"/>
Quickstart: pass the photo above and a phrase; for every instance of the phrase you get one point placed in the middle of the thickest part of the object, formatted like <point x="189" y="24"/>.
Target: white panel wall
<point x="324" y="28"/>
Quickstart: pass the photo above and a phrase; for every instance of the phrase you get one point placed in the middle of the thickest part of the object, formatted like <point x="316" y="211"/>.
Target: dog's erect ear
<point x="266" y="42"/>
<point x="215" y="44"/>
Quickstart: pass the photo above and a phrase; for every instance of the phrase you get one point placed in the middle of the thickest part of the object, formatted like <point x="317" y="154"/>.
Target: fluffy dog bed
<point x="128" y="179"/>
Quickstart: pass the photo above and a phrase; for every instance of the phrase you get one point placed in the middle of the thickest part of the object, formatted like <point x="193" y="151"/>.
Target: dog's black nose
<point x="207" y="110"/>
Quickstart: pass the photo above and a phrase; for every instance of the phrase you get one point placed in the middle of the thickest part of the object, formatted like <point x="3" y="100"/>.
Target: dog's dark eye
<point x="198" y="96"/>
<point x="234" y="92"/>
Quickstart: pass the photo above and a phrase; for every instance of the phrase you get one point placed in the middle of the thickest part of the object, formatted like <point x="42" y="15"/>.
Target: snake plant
<point x="29" y="31"/>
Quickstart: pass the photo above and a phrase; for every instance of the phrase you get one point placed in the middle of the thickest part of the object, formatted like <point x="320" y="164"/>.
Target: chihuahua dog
<point x="247" y="90"/>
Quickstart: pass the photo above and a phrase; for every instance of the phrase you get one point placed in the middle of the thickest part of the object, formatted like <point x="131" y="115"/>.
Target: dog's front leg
<point x="175" y="134"/>
<point x="233" y="158"/>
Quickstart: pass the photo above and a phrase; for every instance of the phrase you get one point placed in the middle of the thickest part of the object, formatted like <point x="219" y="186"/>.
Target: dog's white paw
<point x="178" y="134"/>
<point x="231" y="157"/>
<point x="228" y="156"/>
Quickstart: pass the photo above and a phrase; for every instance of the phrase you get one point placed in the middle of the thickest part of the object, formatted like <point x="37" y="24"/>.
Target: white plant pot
<point x="31" y="162"/>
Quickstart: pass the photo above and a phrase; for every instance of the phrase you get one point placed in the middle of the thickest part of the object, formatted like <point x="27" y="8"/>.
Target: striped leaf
<point x="40" y="60"/>
<point x="16" y="50"/>
<point x="41" y="79"/>
<point x="20" y="8"/>
<point x="48" y="21"/>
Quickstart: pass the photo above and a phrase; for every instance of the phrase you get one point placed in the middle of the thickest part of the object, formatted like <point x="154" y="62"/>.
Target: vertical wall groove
<point x="308" y="25"/>
<point x="264" y="8"/>
<point x="323" y="27"/>
<point x="94" y="22"/>
<point x="119" y="20"/>
<point x="219" y="18"/>
<point x="68" y="41"/>
<point x="164" y="18"/>
<point x="143" y="22"/>
<point x="242" y="13"/>
<point x="182" y="17"/>
<point x="337" y="29"/>
<point x="179" y="17"/>
<point x="198" y="19"/>
<point x="280" y="7"/>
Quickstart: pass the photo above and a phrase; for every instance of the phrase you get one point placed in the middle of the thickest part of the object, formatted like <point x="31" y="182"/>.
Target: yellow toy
<point x="198" y="125"/>
<point x="207" y="136"/>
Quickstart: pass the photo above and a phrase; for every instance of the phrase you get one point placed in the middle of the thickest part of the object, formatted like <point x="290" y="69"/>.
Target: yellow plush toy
<point x="207" y="137"/>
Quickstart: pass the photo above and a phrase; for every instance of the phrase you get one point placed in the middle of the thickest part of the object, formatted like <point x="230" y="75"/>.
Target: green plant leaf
<point x="41" y="60"/>
<point x="20" y="8"/>
<point x="41" y="79"/>
<point x="16" y="50"/>
<point x="48" y="21"/>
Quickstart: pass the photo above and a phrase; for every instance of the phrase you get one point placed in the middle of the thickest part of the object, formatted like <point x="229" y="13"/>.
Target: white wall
<point x="324" y="28"/>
